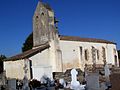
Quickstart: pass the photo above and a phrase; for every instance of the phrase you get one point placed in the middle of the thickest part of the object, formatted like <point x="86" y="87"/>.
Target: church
<point x="53" y="52"/>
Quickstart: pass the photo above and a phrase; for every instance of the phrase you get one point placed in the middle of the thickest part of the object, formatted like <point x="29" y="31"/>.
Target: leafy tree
<point x="28" y="43"/>
<point x="2" y="57"/>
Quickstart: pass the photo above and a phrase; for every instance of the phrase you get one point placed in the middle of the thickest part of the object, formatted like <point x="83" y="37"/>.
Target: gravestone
<point x="74" y="83"/>
<point x="107" y="75"/>
<point x="25" y="79"/>
<point x="92" y="80"/>
<point x="12" y="84"/>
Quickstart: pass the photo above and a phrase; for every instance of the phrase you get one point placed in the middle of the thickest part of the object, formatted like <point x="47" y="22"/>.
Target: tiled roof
<point x="28" y="53"/>
<point x="74" y="38"/>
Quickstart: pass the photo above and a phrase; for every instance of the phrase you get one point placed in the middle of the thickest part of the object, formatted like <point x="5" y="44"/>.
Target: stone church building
<point x="57" y="53"/>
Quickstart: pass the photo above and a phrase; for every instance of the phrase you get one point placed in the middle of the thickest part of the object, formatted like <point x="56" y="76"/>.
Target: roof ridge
<point x="28" y="53"/>
<point x="78" y="38"/>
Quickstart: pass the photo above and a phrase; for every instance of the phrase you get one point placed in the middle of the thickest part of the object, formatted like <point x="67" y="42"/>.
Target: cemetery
<point x="58" y="62"/>
<point x="73" y="79"/>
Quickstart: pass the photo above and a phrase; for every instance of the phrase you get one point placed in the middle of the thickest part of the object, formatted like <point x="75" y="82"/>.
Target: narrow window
<point x="115" y="60"/>
<point x="81" y="52"/>
<point x="98" y="54"/>
<point x="36" y="22"/>
<point x="93" y="54"/>
<point x="114" y="51"/>
<point x="103" y="54"/>
<point x="86" y="55"/>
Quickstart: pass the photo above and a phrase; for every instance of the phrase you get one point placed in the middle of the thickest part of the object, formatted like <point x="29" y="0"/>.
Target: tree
<point x="28" y="43"/>
<point x="2" y="57"/>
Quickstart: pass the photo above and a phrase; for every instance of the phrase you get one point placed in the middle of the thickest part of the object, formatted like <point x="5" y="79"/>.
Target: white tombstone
<point x="74" y="83"/>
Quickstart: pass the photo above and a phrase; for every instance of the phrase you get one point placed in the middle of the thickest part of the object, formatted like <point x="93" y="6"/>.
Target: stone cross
<point x="74" y="74"/>
<point x="25" y="79"/>
<point x="107" y="74"/>
<point x="86" y="71"/>
<point x="74" y="83"/>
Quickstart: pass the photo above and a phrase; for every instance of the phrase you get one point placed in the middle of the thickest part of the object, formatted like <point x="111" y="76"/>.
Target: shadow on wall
<point x="119" y="62"/>
<point x="1" y="67"/>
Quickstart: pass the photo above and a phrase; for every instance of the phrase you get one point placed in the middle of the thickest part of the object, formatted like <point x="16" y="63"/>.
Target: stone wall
<point x="72" y="57"/>
<point x="15" y="69"/>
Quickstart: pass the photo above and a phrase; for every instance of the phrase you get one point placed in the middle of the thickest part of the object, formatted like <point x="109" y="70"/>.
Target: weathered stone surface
<point x="92" y="81"/>
<point x="2" y="79"/>
<point x="12" y="84"/>
<point x="42" y="21"/>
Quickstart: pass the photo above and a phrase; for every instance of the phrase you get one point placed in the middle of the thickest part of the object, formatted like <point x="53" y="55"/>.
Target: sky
<point x="85" y="18"/>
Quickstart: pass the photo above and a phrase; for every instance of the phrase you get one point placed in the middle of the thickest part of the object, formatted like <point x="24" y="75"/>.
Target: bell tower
<point x="43" y="24"/>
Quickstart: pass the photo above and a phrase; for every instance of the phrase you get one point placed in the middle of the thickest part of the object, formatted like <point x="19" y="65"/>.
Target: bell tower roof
<point x="46" y="5"/>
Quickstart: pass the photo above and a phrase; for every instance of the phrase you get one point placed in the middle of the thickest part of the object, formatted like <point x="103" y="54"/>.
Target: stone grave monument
<point x="92" y="80"/>
<point x="25" y="79"/>
<point x="12" y="84"/>
<point x="75" y="85"/>
<point x="107" y="75"/>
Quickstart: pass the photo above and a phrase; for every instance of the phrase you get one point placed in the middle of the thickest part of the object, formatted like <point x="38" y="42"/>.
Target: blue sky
<point x="85" y="18"/>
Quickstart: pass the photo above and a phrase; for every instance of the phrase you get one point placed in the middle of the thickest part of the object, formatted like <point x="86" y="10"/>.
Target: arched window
<point x="36" y="22"/>
<point x="114" y="51"/>
<point x="81" y="52"/>
<point x="93" y="54"/>
<point x="115" y="60"/>
<point x="98" y="55"/>
<point x="86" y="55"/>
<point x="103" y="54"/>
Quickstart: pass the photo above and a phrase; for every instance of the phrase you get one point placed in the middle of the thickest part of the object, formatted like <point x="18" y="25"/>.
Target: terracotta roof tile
<point x="73" y="38"/>
<point x="28" y="53"/>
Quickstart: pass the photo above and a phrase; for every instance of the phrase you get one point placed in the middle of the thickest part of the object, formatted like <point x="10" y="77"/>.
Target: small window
<point x="37" y="17"/>
<point x="93" y="53"/>
<point x="115" y="60"/>
<point x="42" y="13"/>
<point x="114" y="51"/>
<point x="86" y="55"/>
<point x="103" y="54"/>
<point x="98" y="54"/>
<point x="81" y="52"/>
